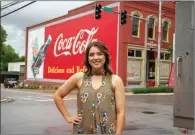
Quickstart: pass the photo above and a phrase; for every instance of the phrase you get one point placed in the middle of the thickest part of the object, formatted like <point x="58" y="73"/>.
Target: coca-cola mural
<point x="35" y="61"/>
<point x="57" y="51"/>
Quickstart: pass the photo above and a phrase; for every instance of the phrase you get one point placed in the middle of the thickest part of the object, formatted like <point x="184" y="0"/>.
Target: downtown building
<point x="55" y="48"/>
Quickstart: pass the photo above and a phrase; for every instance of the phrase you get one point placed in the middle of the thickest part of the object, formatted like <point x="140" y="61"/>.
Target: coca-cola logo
<point x="74" y="45"/>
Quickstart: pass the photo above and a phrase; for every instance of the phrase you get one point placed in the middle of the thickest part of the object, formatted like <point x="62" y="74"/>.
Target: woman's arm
<point x="65" y="89"/>
<point x="120" y="103"/>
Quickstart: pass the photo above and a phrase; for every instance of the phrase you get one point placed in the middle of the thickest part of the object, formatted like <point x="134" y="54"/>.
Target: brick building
<point x="132" y="65"/>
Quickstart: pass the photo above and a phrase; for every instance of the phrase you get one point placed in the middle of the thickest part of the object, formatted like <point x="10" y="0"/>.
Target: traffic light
<point x="98" y="11"/>
<point x="123" y="17"/>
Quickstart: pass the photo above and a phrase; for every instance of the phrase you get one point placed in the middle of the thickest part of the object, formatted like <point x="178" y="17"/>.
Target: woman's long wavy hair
<point x="101" y="46"/>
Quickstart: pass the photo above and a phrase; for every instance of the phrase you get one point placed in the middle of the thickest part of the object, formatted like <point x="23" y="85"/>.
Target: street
<point x="36" y="113"/>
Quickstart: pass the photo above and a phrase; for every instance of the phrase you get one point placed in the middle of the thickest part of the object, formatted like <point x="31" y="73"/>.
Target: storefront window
<point x="134" y="53"/>
<point x="131" y="53"/>
<point x="167" y="56"/>
<point x="134" y="69"/>
<point x="138" y="54"/>
<point x="164" y="70"/>
<point x="164" y="56"/>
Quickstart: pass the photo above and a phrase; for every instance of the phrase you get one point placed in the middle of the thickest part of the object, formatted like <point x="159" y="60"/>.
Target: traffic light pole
<point x="144" y="77"/>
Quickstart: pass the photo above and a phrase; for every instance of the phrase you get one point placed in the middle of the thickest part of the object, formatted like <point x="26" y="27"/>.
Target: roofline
<point x="57" y="18"/>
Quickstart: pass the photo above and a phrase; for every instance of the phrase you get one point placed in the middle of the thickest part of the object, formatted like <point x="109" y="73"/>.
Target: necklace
<point x="98" y="73"/>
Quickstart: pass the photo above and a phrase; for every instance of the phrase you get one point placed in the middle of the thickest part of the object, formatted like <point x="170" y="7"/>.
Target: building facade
<point x="142" y="68"/>
<point x="133" y="46"/>
<point x="16" y="66"/>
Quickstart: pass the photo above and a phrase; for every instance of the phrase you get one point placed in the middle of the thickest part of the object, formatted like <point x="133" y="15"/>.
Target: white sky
<point x="15" y="24"/>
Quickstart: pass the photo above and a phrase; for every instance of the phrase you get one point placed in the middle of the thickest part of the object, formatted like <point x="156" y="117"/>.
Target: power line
<point x="8" y="4"/>
<point x="11" y="4"/>
<point x="17" y="9"/>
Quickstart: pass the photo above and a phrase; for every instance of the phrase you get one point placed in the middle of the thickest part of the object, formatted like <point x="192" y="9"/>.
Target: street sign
<point x="108" y="9"/>
<point x="151" y="45"/>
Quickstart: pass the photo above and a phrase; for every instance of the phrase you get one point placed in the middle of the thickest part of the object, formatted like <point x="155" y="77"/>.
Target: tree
<point x="170" y="50"/>
<point x="8" y="53"/>
<point x="3" y="35"/>
<point x="3" y="40"/>
<point x="21" y="59"/>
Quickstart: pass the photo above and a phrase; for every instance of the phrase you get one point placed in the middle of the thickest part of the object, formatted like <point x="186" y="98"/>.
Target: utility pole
<point x="145" y="54"/>
<point x="159" y="43"/>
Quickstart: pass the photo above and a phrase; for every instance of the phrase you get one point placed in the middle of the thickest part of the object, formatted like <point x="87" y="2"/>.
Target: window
<point x="165" y="31"/>
<point x="151" y="28"/>
<point x="21" y="68"/>
<point x="167" y="56"/>
<point x="131" y="53"/>
<point x="135" y="26"/>
<point x="134" y="53"/>
<point x="138" y="54"/>
<point x="164" y="56"/>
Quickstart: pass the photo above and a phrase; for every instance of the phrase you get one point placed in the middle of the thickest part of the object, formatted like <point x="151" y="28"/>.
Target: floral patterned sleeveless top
<point x="97" y="108"/>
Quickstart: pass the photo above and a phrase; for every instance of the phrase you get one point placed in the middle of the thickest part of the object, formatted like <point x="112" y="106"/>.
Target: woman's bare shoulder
<point x="116" y="78"/>
<point x="78" y="75"/>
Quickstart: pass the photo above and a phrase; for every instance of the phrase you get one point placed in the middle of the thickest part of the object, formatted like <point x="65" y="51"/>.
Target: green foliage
<point x="8" y="53"/>
<point x="3" y="35"/>
<point x="160" y="89"/>
<point x="170" y="50"/>
<point x="21" y="59"/>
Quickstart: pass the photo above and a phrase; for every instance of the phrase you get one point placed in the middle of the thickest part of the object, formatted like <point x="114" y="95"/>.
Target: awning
<point x="9" y="73"/>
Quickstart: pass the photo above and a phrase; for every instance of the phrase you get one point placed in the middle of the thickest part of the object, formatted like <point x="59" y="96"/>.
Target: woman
<point x="100" y="98"/>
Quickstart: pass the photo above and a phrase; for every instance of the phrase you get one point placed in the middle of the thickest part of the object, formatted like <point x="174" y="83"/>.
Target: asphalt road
<point x="36" y="113"/>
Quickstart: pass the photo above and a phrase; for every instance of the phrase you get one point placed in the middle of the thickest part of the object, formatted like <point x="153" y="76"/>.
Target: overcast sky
<point x="40" y="11"/>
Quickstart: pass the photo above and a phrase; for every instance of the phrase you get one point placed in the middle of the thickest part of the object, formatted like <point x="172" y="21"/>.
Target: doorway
<point x="150" y="66"/>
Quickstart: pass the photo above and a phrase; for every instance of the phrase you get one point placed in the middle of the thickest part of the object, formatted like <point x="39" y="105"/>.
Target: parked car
<point x="10" y="82"/>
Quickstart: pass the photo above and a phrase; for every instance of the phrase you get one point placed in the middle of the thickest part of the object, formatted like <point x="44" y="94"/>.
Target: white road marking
<point x="42" y="97"/>
<point x="53" y="100"/>
<point x="31" y="98"/>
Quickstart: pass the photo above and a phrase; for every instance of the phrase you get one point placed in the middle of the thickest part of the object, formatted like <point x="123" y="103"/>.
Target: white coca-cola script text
<point x="74" y="45"/>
